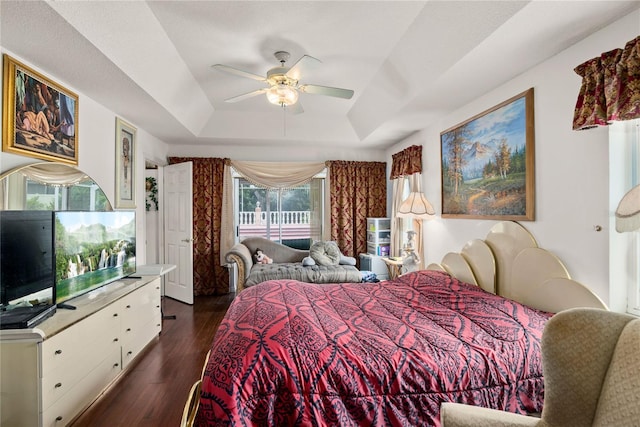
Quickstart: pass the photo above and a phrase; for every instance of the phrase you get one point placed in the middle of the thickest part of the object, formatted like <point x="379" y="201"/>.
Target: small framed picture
<point x="125" y="165"/>
<point x="40" y="117"/>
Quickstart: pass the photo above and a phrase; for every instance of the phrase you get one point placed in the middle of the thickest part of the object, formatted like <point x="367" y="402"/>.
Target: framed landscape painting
<point x="40" y="117"/>
<point x="488" y="163"/>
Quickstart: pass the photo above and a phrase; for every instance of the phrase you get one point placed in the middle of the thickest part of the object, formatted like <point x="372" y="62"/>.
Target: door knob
<point x="187" y="240"/>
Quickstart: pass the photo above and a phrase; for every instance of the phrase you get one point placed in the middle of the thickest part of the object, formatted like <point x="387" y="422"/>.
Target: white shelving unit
<point x="378" y="236"/>
<point x="378" y="244"/>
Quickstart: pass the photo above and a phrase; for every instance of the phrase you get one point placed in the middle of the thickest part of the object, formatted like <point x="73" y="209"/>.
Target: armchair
<point x="591" y="368"/>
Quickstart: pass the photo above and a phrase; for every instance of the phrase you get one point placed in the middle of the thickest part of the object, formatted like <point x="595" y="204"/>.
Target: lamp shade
<point x="282" y="94"/>
<point x="628" y="211"/>
<point x="416" y="206"/>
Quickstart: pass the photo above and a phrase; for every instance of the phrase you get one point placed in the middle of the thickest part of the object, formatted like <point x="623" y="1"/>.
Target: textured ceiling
<point x="409" y="63"/>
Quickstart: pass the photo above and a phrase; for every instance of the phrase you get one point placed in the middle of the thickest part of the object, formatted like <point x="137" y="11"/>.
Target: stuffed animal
<point x="261" y="257"/>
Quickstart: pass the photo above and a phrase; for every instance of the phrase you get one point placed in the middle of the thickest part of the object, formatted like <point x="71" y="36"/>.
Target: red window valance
<point x="610" y="88"/>
<point x="407" y="162"/>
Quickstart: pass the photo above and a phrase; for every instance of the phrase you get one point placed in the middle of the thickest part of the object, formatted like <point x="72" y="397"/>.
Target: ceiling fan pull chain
<point x="284" y="119"/>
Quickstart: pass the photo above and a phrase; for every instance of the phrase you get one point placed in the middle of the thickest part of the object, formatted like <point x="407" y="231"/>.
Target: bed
<point x="292" y="353"/>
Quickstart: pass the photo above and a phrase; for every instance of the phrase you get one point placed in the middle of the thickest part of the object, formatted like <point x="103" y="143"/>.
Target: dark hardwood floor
<point x="153" y="391"/>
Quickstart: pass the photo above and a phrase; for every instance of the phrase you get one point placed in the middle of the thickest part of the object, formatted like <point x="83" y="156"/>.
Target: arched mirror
<point x="51" y="186"/>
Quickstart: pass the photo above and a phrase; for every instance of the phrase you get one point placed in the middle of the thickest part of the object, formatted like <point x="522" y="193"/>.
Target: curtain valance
<point x="407" y="162"/>
<point x="54" y="174"/>
<point x="279" y="175"/>
<point x="610" y="88"/>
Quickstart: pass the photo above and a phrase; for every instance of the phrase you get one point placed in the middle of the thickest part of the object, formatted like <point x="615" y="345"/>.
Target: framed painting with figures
<point x="40" y="117"/>
<point x="125" y="165"/>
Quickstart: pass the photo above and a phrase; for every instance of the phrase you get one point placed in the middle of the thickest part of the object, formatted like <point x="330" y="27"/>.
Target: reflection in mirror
<point x="51" y="186"/>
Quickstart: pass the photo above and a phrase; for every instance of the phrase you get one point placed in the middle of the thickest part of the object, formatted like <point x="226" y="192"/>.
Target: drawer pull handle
<point x="157" y="306"/>
<point x="128" y="329"/>
<point x="129" y="353"/>
<point x="115" y="340"/>
<point x="115" y="314"/>
<point x="157" y="287"/>
<point x="58" y="352"/>
<point x="58" y="385"/>
<point x="128" y="305"/>
<point x="115" y="365"/>
<point x="59" y="418"/>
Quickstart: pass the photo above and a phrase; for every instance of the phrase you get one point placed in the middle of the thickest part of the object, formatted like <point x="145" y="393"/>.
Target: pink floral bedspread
<point x="352" y="354"/>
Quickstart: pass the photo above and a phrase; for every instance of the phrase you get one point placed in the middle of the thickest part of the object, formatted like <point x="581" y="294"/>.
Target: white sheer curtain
<point x="277" y="175"/>
<point x="54" y="174"/>
<point x="316" y="210"/>
<point x="272" y="175"/>
<point x="415" y="185"/>
<point x="397" y="226"/>
<point x="227" y="238"/>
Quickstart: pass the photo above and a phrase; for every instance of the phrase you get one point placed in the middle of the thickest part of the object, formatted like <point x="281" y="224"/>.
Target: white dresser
<point x="51" y="373"/>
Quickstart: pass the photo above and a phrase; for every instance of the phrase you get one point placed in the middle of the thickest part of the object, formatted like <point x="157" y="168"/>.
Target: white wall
<point x="572" y="168"/>
<point x="96" y="151"/>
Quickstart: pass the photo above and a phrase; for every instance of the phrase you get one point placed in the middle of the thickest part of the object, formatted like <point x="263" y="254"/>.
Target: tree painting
<point x="487" y="163"/>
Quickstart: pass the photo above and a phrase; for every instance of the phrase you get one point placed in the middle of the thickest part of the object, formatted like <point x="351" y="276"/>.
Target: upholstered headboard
<point x="508" y="262"/>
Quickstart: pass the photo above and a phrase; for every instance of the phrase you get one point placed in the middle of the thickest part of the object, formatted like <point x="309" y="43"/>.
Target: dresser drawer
<point x="83" y="393"/>
<point x="68" y="344"/>
<point x="135" y="343"/>
<point x="138" y="307"/>
<point x="57" y="383"/>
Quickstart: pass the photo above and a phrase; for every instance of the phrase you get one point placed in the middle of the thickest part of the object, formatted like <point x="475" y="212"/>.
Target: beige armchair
<point x="591" y="364"/>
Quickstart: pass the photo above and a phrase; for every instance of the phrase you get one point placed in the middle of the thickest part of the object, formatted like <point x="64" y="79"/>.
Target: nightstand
<point x="394" y="267"/>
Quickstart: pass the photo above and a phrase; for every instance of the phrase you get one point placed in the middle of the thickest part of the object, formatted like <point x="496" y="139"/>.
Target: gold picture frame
<point x="488" y="163"/>
<point x="125" y="165"/>
<point x="40" y="117"/>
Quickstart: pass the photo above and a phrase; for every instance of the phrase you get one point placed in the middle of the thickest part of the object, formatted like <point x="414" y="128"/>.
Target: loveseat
<point x="289" y="263"/>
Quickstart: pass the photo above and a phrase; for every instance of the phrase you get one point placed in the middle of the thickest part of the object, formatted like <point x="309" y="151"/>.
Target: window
<point x="293" y="217"/>
<point x="75" y="197"/>
<point x="624" y="248"/>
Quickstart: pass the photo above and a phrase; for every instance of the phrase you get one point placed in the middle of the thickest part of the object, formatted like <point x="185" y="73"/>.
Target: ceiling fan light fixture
<point x="282" y="94"/>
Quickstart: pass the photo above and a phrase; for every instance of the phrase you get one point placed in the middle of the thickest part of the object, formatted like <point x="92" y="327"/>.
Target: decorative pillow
<point x="347" y="260"/>
<point x="325" y="253"/>
<point x="308" y="261"/>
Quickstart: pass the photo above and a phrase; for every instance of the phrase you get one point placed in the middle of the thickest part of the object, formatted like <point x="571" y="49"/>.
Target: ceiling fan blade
<point x="246" y="95"/>
<point x="237" y="72"/>
<point x="326" y="90"/>
<point x="301" y="67"/>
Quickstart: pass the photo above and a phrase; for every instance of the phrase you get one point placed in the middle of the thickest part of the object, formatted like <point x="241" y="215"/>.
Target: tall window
<point x="293" y="217"/>
<point x="624" y="248"/>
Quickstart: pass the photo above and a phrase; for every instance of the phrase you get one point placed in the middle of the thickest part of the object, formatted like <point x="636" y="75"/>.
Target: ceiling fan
<point x="284" y="83"/>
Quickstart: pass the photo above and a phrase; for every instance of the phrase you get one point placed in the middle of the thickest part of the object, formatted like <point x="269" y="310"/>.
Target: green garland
<point x="152" y="193"/>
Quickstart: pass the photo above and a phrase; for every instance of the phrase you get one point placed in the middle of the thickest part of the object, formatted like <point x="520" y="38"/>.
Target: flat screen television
<point x="26" y="258"/>
<point x="92" y="249"/>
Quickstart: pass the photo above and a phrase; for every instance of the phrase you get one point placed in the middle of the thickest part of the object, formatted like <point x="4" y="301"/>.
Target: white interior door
<point x="178" y="230"/>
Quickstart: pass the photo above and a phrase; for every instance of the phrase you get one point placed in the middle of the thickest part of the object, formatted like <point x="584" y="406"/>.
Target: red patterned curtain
<point x="610" y="88"/>
<point x="358" y="190"/>
<point x="209" y="277"/>
<point x="407" y="162"/>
